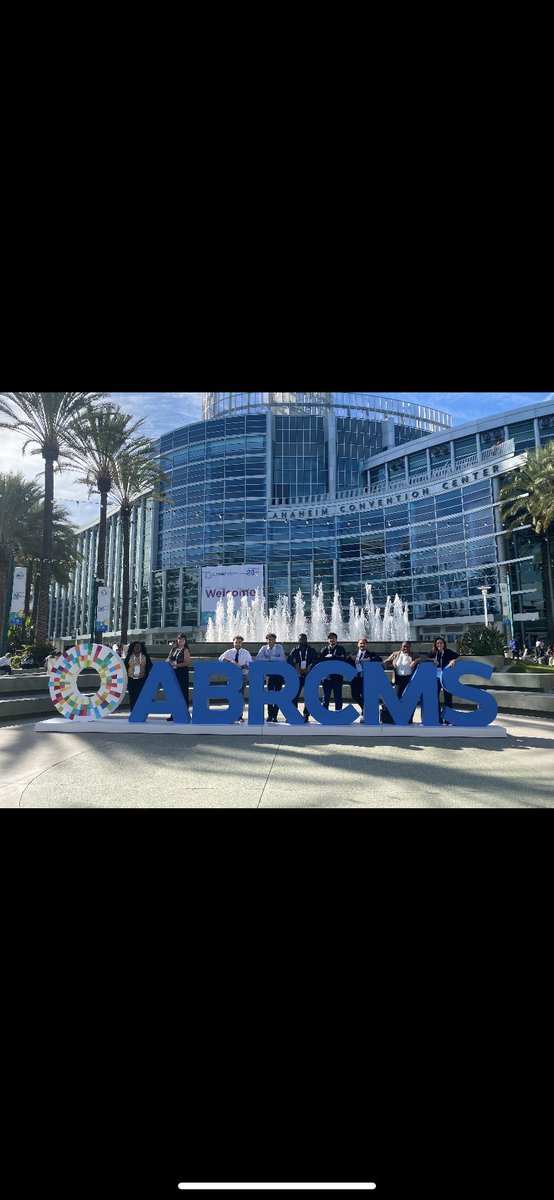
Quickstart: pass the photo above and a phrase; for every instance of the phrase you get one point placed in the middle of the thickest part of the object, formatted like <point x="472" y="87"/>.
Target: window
<point x="440" y="456"/>
<point x="417" y="463"/>
<point x="465" y="448"/>
<point x="491" y="437"/>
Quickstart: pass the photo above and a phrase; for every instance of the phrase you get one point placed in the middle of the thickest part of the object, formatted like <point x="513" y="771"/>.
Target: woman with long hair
<point x="138" y="665"/>
<point x="443" y="658"/>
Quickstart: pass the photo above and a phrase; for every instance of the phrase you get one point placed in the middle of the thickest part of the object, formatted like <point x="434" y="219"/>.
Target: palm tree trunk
<point x="125" y="583"/>
<point x="101" y="556"/>
<point x="548" y="589"/>
<point x="36" y="588"/>
<point x="4" y="572"/>
<point x="41" y="629"/>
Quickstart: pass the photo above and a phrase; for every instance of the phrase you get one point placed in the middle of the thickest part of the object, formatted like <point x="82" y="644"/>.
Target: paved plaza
<point x="79" y="771"/>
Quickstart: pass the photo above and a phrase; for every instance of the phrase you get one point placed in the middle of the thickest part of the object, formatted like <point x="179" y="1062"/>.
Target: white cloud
<point x="164" y="411"/>
<point x="468" y="406"/>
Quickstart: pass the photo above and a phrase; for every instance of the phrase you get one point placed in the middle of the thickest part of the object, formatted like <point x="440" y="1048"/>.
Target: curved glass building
<point x="341" y="488"/>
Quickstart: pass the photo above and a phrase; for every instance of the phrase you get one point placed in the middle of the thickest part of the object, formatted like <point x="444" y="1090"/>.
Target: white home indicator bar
<point x="277" y="1187"/>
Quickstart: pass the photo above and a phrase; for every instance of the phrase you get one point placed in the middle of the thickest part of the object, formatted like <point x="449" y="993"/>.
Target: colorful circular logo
<point x="64" y="675"/>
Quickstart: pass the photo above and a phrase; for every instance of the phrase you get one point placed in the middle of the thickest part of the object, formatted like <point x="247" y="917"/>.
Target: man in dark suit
<point x="332" y="686"/>
<point x="357" y="660"/>
<point x="303" y="658"/>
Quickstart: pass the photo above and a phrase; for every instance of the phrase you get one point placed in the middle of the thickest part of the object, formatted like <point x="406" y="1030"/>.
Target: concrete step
<point x="514" y="683"/>
<point x="530" y="703"/>
<point x="25" y="706"/>
<point x="27" y="685"/>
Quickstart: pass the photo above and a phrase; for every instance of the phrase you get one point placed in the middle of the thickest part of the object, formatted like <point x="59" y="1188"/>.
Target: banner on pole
<point x="220" y="582"/>
<point x="17" y="608"/>
<point x="103" y="607"/>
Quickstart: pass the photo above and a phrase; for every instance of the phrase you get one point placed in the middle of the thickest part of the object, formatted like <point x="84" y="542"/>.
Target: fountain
<point x="253" y="621"/>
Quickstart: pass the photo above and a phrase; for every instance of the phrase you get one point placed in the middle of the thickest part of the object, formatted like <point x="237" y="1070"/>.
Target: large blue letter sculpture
<point x="422" y="688"/>
<point x="162" y="676"/>
<point x="258" y="696"/>
<point x="345" y="716"/>
<point x="205" y="690"/>
<point x="487" y="708"/>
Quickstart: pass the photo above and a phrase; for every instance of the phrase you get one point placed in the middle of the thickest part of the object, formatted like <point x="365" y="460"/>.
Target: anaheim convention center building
<point x="342" y="488"/>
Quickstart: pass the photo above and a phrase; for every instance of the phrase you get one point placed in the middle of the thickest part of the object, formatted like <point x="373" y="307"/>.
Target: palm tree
<point x="65" y="556"/>
<point x="135" y="474"/>
<point x="19" y="518"/>
<point x="95" y="440"/>
<point x="45" y="419"/>
<point x="529" y="499"/>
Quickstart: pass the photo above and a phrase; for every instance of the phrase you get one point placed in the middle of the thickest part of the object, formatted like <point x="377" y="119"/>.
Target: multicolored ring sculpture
<point x="64" y="675"/>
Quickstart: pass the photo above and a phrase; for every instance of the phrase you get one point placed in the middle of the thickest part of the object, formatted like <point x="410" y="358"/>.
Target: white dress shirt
<point x="244" y="658"/>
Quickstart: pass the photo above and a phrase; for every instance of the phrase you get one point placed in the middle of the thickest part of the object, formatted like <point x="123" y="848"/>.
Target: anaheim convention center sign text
<point x="371" y="504"/>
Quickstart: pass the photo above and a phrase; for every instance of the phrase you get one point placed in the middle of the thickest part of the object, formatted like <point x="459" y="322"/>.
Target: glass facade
<point x="216" y="499"/>
<point x="316" y="494"/>
<point x="300" y="464"/>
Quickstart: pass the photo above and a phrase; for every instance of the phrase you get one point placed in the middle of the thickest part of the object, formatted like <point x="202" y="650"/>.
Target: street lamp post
<point x="484" y="591"/>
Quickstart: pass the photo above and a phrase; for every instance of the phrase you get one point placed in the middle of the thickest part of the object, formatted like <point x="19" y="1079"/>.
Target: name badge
<point x="137" y="672"/>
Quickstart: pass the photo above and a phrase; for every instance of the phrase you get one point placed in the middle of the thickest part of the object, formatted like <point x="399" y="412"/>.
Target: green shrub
<point x="39" y="652"/>
<point x="482" y="639"/>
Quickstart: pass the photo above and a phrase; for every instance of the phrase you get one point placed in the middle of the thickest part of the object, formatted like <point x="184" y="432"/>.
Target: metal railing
<point x="347" y="404"/>
<point x="500" y="450"/>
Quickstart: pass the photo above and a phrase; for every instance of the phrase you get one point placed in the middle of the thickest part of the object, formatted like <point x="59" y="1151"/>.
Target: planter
<point x="494" y="660"/>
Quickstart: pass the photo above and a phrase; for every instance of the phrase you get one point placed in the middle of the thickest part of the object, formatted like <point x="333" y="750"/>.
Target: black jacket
<point x="295" y="656"/>
<point x="447" y="657"/>
<point x="339" y="652"/>
<point x="368" y="656"/>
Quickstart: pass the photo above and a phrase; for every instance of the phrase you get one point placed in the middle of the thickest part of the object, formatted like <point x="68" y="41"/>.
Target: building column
<point x="91" y="599"/>
<point x="332" y="454"/>
<point x="269" y="457"/>
<point x="180" y="621"/>
<point x="154" y="540"/>
<point x="141" y="537"/>
<point x="54" y="610"/>
<point x="118" y="568"/>
<point x="63" y="609"/>
<point x="150" y="600"/>
<point x="70" y="599"/>
<point x="199" y="601"/>
<point x="501" y="554"/>
<point x="164" y="598"/>
<point x="75" y="616"/>
<point x="133" y="624"/>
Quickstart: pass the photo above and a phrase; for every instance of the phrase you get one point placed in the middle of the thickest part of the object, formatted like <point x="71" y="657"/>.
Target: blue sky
<point x="164" y="411"/>
<point x="169" y="410"/>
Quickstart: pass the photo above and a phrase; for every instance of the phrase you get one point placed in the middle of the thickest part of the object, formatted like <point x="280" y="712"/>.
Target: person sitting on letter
<point x="272" y="652"/>
<point x="333" y="684"/>
<point x="242" y="659"/>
